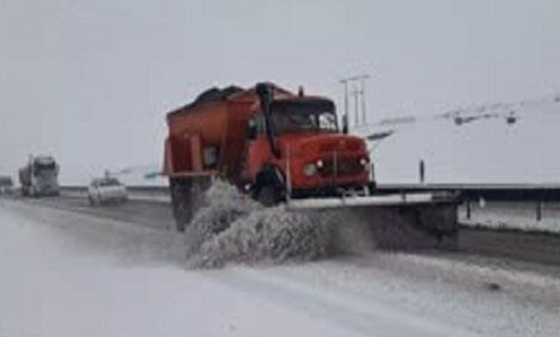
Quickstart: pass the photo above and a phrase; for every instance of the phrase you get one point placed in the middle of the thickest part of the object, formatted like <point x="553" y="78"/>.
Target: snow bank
<point x="63" y="273"/>
<point x="61" y="269"/>
<point x="142" y="175"/>
<point x="232" y="228"/>
<point x="484" y="148"/>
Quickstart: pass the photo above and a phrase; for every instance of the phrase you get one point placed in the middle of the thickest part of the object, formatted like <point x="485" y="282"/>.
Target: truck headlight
<point x="364" y="162"/>
<point x="310" y="169"/>
<point x="319" y="163"/>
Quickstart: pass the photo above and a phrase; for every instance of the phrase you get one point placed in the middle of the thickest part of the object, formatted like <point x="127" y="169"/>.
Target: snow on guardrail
<point x="143" y="193"/>
<point x="507" y="215"/>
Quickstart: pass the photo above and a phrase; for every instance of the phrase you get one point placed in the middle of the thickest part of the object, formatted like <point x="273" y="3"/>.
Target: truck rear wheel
<point x="179" y="203"/>
<point x="186" y="196"/>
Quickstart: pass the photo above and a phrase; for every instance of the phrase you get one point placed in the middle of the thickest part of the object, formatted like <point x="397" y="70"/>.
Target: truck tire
<point x="186" y="198"/>
<point x="178" y="204"/>
<point x="270" y="187"/>
<point x="269" y="195"/>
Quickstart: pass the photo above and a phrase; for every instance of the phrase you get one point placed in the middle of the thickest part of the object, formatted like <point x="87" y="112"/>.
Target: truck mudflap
<point x="396" y="221"/>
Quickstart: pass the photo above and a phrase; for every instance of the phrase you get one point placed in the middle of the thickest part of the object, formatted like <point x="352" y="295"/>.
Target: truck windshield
<point x="109" y="182"/>
<point x="45" y="167"/>
<point x="303" y="116"/>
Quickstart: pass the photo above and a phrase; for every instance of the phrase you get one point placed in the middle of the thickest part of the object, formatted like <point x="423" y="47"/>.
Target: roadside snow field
<point x="484" y="149"/>
<point x="66" y="274"/>
<point x="69" y="274"/>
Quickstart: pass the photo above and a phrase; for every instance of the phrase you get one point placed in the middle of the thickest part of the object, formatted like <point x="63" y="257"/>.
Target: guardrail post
<point x="539" y="207"/>
<point x="468" y="208"/>
<point x="422" y="171"/>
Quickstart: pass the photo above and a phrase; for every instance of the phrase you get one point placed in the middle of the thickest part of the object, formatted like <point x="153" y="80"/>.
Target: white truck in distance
<point x="6" y="185"/>
<point x="39" y="177"/>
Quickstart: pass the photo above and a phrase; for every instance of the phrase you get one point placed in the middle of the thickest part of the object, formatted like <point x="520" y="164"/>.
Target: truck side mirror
<point x="252" y="130"/>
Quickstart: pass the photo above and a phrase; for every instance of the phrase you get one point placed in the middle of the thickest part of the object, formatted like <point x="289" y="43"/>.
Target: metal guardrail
<point x="157" y="189"/>
<point x="497" y="192"/>
<point x="535" y="199"/>
<point x="146" y="193"/>
<point x="528" y="207"/>
<point x="470" y="193"/>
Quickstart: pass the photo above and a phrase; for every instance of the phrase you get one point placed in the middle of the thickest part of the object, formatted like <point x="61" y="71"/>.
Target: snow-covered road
<point x="70" y="274"/>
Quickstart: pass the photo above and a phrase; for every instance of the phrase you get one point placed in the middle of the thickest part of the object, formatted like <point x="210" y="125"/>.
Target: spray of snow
<point x="232" y="228"/>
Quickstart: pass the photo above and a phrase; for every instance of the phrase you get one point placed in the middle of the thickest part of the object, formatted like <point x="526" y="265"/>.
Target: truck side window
<point x="327" y="121"/>
<point x="255" y="127"/>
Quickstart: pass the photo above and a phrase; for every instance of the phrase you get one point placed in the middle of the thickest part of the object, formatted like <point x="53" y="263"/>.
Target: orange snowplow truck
<point x="271" y="143"/>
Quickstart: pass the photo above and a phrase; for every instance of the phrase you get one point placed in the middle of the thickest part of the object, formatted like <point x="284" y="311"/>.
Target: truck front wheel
<point x="269" y="195"/>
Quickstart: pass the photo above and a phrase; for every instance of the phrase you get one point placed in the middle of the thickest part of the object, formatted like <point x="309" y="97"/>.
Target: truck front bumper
<point x="332" y="191"/>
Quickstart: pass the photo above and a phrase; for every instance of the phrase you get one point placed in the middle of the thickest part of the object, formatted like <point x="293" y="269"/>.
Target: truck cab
<point x="296" y="149"/>
<point x="40" y="177"/>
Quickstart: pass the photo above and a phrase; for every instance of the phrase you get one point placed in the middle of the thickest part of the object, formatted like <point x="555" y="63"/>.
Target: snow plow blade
<point x="396" y="221"/>
<point x="353" y="201"/>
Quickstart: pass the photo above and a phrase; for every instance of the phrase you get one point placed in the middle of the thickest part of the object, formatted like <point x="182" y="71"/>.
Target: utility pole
<point x="363" y="92"/>
<point x="345" y="120"/>
<point x="359" y="97"/>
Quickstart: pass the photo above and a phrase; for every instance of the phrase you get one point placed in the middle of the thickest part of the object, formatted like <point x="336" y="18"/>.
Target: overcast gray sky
<point x="90" y="81"/>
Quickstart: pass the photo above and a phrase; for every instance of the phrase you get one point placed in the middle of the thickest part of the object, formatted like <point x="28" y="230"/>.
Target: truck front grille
<point x="343" y="167"/>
